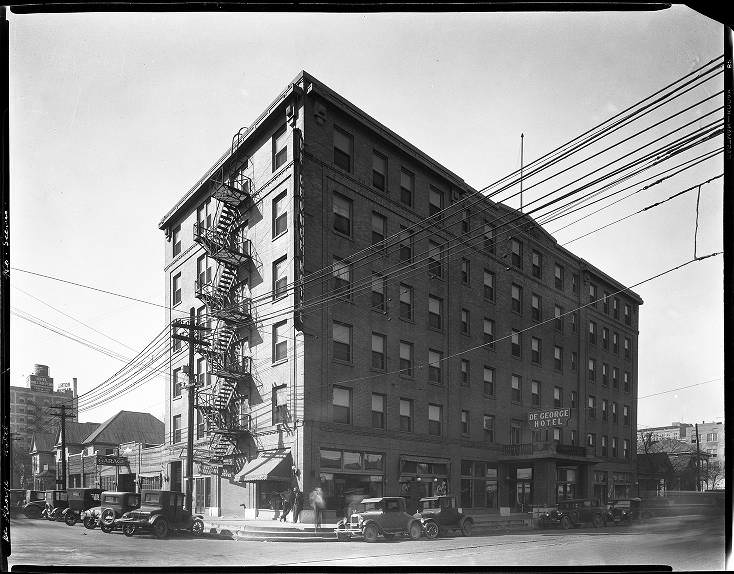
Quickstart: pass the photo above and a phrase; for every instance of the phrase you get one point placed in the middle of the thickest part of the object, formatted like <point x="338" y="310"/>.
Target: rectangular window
<point x="536" y="350"/>
<point x="575" y="283"/>
<point x="489" y="333"/>
<point x="406" y="415"/>
<point x="604" y="413"/>
<point x="537" y="265"/>
<point x="488" y="235"/>
<point x="176" y="289"/>
<point x="573" y="360"/>
<point x="558" y="273"/>
<point x="592" y="407"/>
<point x="627" y="382"/>
<point x="626" y="448"/>
<point x="280" y="278"/>
<point x="465" y="428"/>
<point x="406" y="358"/>
<point x="614" y="413"/>
<point x="176" y="428"/>
<point x="488" y="285"/>
<point x="591" y="439"/>
<point x="280" y="215"/>
<point x="573" y="399"/>
<point x="573" y="321"/>
<point x="604" y="440"/>
<point x="516" y="342"/>
<point x="516" y="388"/>
<point x="615" y="308"/>
<point x="536" y="307"/>
<point x="605" y="303"/>
<point x="343" y="144"/>
<point x="434" y="420"/>
<point x="625" y="415"/>
<point x="342" y="215"/>
<point x="592" y="370"/>
<point x="342" y="405"/>
<point x="379" y="228"/>
<point x="342" y="278"/>
<point x="378" y="351"/>
<point x="280" y="343"/>
<point x="435" y="358"/>
<point x="466" y="221"/>
<point x="516" y="292"/>
<point x="378" y="411"/>
<point x="615" y="377"/>
<point x="605" y="374"/>
<point x="279" y="402"/>
<point x="203" y="215"/>
<point x="406" y="245"/>
<point x="177" y="383"/>
<point x="627" y="348"/>
<point x="201" y="372"/>
<point x="558" y="318"/>
<point x="406" y="302"/>
<point x="280" y="148"/>
<point x="342" y="335"/>
<point x="558" y="358"/>
<point x="627" y="315"/>
<point x="379" y="171"/>
<point x="605" y="337"/>
<point x="488" y="426"/>
<point x="516" y="251"/>
<point x="614" y="447"/>
<point x="379" y="285"/>
<point x="592" y="294"/>
<point x="465" y="321"/>
<point x="592" y="332"/>
<point x="615" y="343"/>
<point x="435" y="256"/>
<point x="203" y="271"/>
<point x="407" y="185"/>
<point x="557" y="397"/>
<point x="465" y="271"/>
<point x="489" y="381"/>
<point x="535" y="393"/>
<point x="435" y="202"/>
<point x="516" y="431"/>
<point x="465" y="372"/>
<point x="176" y="240"/>
<point x="434" y="312"/>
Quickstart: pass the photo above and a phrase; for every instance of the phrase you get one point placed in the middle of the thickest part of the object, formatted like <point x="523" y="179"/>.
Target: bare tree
<point x="712" y="471"/>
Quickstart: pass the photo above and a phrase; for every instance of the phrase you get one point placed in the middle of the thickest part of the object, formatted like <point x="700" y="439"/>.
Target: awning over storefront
<point x="269" y="465"/>
<point x="149" y="474"/>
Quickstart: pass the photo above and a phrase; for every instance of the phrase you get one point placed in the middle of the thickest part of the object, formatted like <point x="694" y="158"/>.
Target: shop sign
<point x="42" y="384"/>
<point x="226" y="473"/>
<point x="109" y="460"/>
<point x="375" y="478"/>
<point x="549" y="418"/>
<point x="207" y="469"/>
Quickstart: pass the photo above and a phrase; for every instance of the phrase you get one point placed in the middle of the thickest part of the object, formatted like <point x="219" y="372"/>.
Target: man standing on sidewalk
<point x="317" y="502"/>
<point x="297" y="503"/>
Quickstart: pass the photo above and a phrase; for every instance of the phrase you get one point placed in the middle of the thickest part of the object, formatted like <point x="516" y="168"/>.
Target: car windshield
<point x="428" y="504"/>
<point x="372" y="505"/>
<point x="152" y="497"/>
<point x="37" y="496"/>
<point x="111" y="499"/>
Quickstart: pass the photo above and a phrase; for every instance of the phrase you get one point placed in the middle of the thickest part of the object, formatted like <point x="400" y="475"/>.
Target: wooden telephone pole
<point x="62" y="415"/>
<point x="192" y="341"/>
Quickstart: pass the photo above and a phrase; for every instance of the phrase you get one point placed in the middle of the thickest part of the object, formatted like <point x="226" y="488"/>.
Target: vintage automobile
<point x="79" y="500"/>
<point x="575" y="512"/>
<point x="384" y="516"/>
<point x="624" y="511"/>
<point x="112" y="505"/>
<point x="439" y="514"/>
<point x="160" y="512"/>
<point x="35" y="504"/>
<point x="56" y="502"/>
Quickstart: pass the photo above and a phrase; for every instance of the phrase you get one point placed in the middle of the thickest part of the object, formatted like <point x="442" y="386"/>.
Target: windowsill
<point x="466" y="333"/>
<point x="279" y="362"/>
<point x="408" y="320"/>
<point x="343" y="362"/>
<point x="377" y="370"/>
<point x="279" y="297"/>
<point x="434" y="329"/>
<point x="493" y="397"/>
<point x="435" y="384"/>
<point x="340" y="234"/>
<point x="516" y="402"/>
<point x="490" y="300"/>
<point x="517" y="358"/>
<point x="281" y="234"/>
<point x="378" y="310"/>
<point x="407" y="377"/>
<point x="467" y="384"/>
<point x="466" y="284"/>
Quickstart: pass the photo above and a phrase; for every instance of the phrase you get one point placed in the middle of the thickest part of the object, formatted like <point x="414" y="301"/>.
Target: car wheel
<point x="370" y="533"/>
<point x="197" y="528"/>
<point x="106" y="528"/>
<point x="160" y="528"/>
<point x="565" y="523"/>
<point x="596" y="521"/>
<point x="415" y="530"/>
<point x="70" y="518"/>
<point x="342" y="537"/>
<point x="90" y="523"/>
<point x="58" y="516"/>
<point x="467" y="527"/>
<point x="128" y="529"/>
<point x="431" y="529"/>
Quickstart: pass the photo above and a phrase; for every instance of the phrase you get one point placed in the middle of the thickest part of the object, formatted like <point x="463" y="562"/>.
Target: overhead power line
<point x="680" y="388"/>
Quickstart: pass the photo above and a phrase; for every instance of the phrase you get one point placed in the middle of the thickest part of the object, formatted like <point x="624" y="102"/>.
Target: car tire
<point x="106" y="528"/>
<point x="90" y="523"/>
<point x="128" y="529"/>
<point x="415" y="530"/>
<point x="596" y="521"/>
<point x="107" y="516"/>
<point x="160" y="528"/>
<point x="467" y="527"/>
<point x="197" y="528"/>
<point x="370" y="533"/>
<point x="565" y="523"/>
<point x="431" y="529"/>
<point x="70" y="518"/>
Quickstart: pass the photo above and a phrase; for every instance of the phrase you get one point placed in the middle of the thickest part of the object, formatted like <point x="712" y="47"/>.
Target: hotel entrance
<point x="523" y="489"/>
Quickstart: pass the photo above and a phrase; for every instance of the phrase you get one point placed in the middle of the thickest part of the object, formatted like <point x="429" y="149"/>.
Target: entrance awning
<point x="271" y="465"/>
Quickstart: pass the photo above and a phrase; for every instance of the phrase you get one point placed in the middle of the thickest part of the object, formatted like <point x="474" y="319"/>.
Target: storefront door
<point x="524" y="489"/>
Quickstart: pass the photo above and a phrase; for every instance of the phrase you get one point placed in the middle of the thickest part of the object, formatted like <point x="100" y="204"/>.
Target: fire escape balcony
<point x="230" y="368"/>
<point x="226" y="248"/>
<point x="234" y="195"/>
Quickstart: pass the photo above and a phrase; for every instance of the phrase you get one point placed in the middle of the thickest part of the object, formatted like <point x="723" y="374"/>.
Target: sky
<point x="113" y="117"/>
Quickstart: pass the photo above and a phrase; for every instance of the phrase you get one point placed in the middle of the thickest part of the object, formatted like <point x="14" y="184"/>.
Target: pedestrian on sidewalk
<point x="317" y="502"/>
<point x="297" y="503"/>
<point x="287" y="497"/>
<point x="274" y="501"/>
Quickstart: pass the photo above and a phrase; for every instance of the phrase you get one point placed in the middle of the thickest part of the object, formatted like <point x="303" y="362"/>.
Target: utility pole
<point x="522" y="145"/>
<point x="62" y="415"/>
<point x="191" y="340"/>
<point x="698" y="461"/>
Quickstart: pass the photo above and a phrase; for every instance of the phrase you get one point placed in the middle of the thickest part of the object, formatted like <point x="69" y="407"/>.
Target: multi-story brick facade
<point x="392" y="367"/>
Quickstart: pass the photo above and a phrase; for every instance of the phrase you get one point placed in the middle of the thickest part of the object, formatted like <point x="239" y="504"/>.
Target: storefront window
<point x="331" y="459"/>
<point x="566" y="482"/>
<point x="373" y="461"/>
<point x="352" y="460"/>
<point x="478" y="487"/>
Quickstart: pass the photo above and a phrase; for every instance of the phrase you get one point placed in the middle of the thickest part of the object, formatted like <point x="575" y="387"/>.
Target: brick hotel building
<point x="291" y="390"/>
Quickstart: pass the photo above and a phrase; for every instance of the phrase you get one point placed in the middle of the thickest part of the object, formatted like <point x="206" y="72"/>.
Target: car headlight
<point x="126" y="515"/>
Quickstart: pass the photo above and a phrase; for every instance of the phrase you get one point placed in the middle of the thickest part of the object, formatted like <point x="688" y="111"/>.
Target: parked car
<point x="376" y="517"/>
<point x="35" y="504"/>
<point x="623" y="511"/>
<point x="79" y="500"/>
<point x="56" y="502"/>
<point x="575" y="512"/>
<point x="112" y="505"/>
<point x="160" y="512"/>
<point x="439" y="514"/>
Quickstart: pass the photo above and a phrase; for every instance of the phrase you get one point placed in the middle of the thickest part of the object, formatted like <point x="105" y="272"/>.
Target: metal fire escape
<point x="229" y="311"/>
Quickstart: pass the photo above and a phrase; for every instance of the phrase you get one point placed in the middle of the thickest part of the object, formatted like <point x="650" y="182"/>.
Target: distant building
<point x="43" y="461"/>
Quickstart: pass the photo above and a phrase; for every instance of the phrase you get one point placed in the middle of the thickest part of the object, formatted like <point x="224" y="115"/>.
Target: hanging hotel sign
<point x="109" y="460"/>
<point x="548" y="419"/>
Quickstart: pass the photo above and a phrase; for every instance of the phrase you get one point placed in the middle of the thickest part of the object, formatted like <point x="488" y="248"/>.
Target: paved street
<point x="690" y="543"/>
